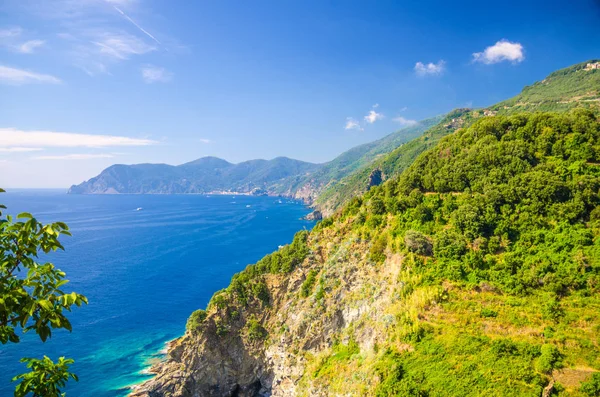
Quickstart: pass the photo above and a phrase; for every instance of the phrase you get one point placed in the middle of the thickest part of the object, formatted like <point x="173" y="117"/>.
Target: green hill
<point x="575" y="86"/>
<point x="475" y="272"/>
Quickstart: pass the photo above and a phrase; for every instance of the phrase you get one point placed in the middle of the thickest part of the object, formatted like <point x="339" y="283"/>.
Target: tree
<point x="31" y="298"/>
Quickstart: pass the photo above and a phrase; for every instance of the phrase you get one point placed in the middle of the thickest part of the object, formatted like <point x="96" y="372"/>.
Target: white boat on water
<point x="138" y="208"/>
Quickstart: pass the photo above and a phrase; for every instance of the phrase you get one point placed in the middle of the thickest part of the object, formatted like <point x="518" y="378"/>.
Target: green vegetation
<point x="249" y="286"/>
<point x="508" y="205"/>
<point x="308" y="283"/>
<point x="31" y="298"/>
<point x="558" y="91"/>
<point x="591" y="388"/>
<point x="256" y="331"/>
<point x="195" y="320"/>
<point x="45" y="379"/>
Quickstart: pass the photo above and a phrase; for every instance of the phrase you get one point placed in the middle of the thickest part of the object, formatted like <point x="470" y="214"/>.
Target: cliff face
<point x="210" y="361"/>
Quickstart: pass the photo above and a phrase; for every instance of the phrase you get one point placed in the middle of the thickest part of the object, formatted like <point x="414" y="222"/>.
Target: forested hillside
<point x="475" y="272"/>
<point x="575" y="86"/>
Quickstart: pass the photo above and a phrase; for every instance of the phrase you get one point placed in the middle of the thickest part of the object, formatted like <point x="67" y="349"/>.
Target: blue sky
<point x="89" y="83"/>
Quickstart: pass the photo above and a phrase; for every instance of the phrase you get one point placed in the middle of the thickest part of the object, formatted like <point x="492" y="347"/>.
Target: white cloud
<point x="503" y="50"/>
<point x="29" y="46"/>
<point x="404" y="122"/>
<point x="11" y="137"/>
<point x="15" y="76"/>
<point x="19" y="149"/>
<point x="121" y="46"/>
<point x="352" y="124"/>
<point x="11" y="39"/>
<point x="431" y="68"/>
<point x="84" y="156"/>
<point x="373" y="116"/>
<point x="205" y="140"/>
<point x="153" y="74"/>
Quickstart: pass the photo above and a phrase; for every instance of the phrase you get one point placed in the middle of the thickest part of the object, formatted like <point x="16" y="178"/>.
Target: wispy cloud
<point x="94" y="51"/>
<point x="155" y="74"/>
<point x="81" y="156"/>
<point x="12" y="39"/>
<point x="29" y="46"/>
<point x="404" y="122"/>
<point x="430" y="68"/>
<point x="503" y="50"/>
<point x="121" y="46"/>
<point x="19" y="149"/>
<point x="97" y="34"/>
<point x="205" y="140"/>
<point x="352" y="124"/>
<point x="14" y="76"/>
<point x="11" y="137"/>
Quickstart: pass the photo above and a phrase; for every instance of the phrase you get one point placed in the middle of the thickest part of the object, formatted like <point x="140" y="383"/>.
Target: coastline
<point x="151" y="369"/>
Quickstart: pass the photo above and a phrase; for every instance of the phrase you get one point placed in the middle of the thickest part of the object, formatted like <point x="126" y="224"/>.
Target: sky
<point x="85" y="84"/>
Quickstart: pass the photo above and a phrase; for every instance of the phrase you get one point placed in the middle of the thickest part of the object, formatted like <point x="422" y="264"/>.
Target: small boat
<point x="138" y="208"/>
<point x="248" y="206"/>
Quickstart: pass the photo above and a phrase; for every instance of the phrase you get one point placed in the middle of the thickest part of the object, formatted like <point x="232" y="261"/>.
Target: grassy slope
<point x="560" y="91"/>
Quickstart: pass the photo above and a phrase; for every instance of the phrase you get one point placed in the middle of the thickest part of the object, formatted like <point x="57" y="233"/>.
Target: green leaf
<point x="24" y="215"/>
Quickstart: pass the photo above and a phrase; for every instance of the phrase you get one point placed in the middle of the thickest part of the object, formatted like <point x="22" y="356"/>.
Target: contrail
<point x="136" y="25"/>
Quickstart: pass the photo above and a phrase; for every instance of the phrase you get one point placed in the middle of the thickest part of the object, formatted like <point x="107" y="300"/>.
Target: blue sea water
<point x="143" y="272"/>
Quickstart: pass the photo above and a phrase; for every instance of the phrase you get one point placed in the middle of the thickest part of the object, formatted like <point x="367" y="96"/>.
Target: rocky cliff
<point x="224" y="357"/>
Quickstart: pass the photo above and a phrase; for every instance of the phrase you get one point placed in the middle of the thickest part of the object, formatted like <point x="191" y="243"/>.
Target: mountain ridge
<point x="203" y="175"/>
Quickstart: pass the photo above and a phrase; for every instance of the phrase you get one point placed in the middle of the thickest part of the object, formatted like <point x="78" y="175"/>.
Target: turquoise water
<point x="143" y="272"/>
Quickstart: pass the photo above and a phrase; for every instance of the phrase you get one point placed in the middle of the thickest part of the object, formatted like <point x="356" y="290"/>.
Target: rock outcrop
<point x="221" y="358"/>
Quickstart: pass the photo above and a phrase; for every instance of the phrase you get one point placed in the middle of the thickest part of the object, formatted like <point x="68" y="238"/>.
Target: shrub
<point x="549" y="359"/>
<point x="377" y="251"/>
<point x="261" y="292"/>
<point x="418" y="243"/>
<point x="222" y="329"/>
<point x="552" y="310"/>
<point x="377" y="206"/>
<point x="591" y="388"/>
<point x="256" y="330"/>
<point x="486" y="312"/>
<point x="195" y="320"/>
<point x="308" y="283"/>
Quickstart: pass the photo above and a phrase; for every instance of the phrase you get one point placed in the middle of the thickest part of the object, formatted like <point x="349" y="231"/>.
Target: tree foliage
<point x="32" y="296"/>
<point x="46" y="378"/>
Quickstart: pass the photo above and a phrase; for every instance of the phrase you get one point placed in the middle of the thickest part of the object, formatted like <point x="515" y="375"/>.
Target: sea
<point x="145" y="262"/>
